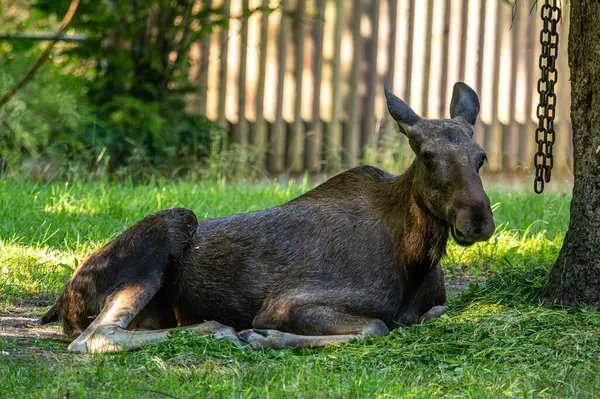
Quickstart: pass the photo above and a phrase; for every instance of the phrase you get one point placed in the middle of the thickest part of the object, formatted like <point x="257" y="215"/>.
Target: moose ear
<point x="464" y="103"/>
<point x="400" y="111"/>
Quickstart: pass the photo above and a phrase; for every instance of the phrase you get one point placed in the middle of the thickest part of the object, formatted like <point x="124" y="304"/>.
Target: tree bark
<point x="575" y="277"/>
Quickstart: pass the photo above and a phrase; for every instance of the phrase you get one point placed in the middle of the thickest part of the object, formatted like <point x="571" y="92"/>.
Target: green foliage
<point x="141" y="141"/>
<point x="114" y="102"/>
<point x="47" y="118"/>
<point x="140" y="48"/>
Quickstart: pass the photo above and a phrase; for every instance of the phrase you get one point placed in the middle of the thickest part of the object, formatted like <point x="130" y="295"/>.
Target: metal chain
<point x="544" y="134"/>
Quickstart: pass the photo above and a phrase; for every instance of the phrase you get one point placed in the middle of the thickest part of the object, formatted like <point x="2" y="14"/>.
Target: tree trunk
<point x="575" y="277"/>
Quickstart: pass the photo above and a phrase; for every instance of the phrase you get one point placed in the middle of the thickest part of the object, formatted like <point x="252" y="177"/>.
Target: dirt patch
<point x="22" y="337"/>
<point x="20" y="321"/>
<point x="459" y="284"/>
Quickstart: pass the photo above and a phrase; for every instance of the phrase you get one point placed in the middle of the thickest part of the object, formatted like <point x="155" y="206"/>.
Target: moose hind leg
<point x="119" y="311"/>
<point x="108" y="332"/>
<point x="143" y="254"/>
<point x="157" y="314"/>
<point x="119" y="280"/>
<point x="311" y="326"/>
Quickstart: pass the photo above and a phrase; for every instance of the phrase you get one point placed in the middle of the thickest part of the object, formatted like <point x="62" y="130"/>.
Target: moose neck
<point x="419" y="236"/>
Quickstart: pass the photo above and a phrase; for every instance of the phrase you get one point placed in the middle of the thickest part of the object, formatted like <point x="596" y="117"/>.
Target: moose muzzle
<point x="473" y="223"/>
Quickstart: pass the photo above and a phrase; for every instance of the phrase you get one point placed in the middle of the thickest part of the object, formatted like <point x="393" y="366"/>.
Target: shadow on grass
<point x="497" y="340"/>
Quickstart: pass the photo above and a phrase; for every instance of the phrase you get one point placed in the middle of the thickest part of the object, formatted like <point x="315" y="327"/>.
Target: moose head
<point x="446" y="167"/>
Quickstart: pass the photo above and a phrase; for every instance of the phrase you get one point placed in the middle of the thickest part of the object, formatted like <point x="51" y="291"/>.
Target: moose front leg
<point x="314" y="326"/>
<point x="435" y="312"/>
<point x="429" y="301"/>
<point x="275" y="339"/>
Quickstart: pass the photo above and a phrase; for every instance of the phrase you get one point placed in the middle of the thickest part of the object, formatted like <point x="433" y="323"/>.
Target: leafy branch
<point x="42" y="58"/>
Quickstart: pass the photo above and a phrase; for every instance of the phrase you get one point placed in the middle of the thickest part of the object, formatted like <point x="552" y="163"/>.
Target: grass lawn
<point x="497" y="341"/>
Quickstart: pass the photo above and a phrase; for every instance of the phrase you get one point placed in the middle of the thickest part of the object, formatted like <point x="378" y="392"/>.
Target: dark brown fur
<point x="269" y="264"/>
<point x="358" y="253"/>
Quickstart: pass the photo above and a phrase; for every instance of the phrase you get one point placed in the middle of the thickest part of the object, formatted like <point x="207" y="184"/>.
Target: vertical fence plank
<point x="444" y="65"/>
<point x="391" y="51"/>
<point x="494" y="134"/>
<point x="202" y="82"/>
<point x="315" y="134"/>
<point x="224" y="44"/>
<point x="427" y="64"/>
<point x="259" y="139"/>
<point x="464" y="23"/>
<point x="410" y="36"/>
<point x="333" y="143"/>
<point x="240" y="130"/>
<point x="510" y="141"/>
<point x="277" y="153"/>
<point x="479" y="127"/>
<point x="406" y="153"/>
<point x="390" y="125"/>
<point x="368" y="136"/>
<point x="352" y="134"/>
<point x="527" y="132"/>
<point x="295" y="146"/>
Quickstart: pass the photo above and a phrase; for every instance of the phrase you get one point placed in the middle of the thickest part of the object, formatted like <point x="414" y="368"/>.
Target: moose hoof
<point x="77" y="346"/>
<point x="434" y="313"/>
<point x="229" y="334"/>
<point x="102" y="340"/>
<point x="218" y="331"/>
<point x="377" y="329"/>
<point x="259" y="338"/>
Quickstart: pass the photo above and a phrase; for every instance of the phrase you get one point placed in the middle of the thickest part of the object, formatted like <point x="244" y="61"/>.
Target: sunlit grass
<point x="497" y="341"/>
<point x="27" y="271"/>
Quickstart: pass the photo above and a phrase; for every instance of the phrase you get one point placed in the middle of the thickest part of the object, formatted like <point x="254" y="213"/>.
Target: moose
<point x="357" y="256"/>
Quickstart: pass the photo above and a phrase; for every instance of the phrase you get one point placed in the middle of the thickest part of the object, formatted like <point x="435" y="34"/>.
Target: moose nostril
<point x="474" y="223"/>
<point x="452" y="215"/>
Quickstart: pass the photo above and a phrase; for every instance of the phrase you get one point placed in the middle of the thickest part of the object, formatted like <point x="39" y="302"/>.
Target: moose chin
<point x="357" y="256"/>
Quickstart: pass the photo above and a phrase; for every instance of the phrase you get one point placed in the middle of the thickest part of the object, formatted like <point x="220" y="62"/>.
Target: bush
<point x="45" y="120"/>
<point x="50" y="130"/>
<point x="114" y="103"/>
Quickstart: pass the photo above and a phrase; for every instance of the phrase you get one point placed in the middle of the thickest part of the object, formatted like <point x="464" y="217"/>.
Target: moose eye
<point x="428" y="158"/>
<point x="481" y="161"/>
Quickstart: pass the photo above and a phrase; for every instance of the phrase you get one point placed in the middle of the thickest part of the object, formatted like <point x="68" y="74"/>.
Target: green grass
<point x="497" y="341"/>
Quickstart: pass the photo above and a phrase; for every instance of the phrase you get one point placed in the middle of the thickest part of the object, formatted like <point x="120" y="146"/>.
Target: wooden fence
<point x="305" y="86"/>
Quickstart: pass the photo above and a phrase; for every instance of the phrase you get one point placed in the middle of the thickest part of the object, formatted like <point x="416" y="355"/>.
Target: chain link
<point x="544" y="134"/>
